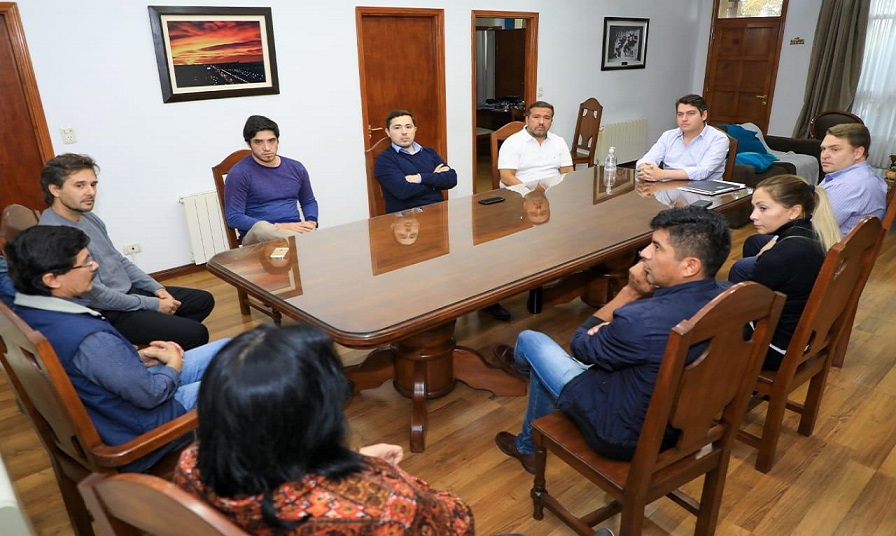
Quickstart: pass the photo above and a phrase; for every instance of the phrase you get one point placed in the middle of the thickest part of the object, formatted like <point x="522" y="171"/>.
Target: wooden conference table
<point x="399" y="282"/>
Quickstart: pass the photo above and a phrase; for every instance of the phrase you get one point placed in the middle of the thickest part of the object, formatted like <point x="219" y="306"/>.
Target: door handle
<point x="371" y="130"/>
<point x="764" y="98"/>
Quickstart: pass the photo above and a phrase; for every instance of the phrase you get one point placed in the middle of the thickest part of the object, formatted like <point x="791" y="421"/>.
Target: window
<point x="875" y="100"/>
<point x="732" y="9"/>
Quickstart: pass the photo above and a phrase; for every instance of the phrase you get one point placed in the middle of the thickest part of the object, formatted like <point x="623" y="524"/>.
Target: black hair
<point x="257" y="123"/>
<point x="59" y="168"/>
<point x="696" y="232"/>
<point x="41" y="250"/>
<point x="398" y="113"/>
<point x="692" y="100"/>
<point x="539" y="104"/>
<point x="270" y="411"/>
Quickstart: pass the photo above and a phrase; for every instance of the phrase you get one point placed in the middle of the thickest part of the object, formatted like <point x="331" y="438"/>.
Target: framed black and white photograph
<point x="625" y="43"/>
<point x="214" y="52"/>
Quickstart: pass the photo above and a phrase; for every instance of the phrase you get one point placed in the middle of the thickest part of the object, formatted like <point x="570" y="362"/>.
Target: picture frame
<point x="214" y="52"/>
<point x="624" y="43"/>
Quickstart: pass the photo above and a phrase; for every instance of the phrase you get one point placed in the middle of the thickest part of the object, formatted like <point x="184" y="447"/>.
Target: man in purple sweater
<point x="268" y="196"/>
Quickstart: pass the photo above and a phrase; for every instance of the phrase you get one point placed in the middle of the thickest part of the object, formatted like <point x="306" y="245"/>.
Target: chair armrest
<point x="118" y="455"/>
<point x="798" y="145"/>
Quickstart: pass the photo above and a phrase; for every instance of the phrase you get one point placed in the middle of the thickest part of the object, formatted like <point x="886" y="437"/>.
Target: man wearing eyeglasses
<point x="136" y="304"/>
<point x="126" y="392"/>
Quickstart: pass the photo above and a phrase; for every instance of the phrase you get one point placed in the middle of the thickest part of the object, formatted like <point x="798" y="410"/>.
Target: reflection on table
<point x="405" y="238"/>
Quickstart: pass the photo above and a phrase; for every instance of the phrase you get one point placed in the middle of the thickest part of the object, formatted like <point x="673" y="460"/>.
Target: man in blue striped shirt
<point x="854" y="189"/>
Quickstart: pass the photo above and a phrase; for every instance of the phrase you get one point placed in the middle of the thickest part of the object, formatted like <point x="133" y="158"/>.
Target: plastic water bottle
<point x="610" y="161"/>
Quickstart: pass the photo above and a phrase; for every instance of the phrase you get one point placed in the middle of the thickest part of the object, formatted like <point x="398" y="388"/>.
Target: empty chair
<point x="704" y="400"/>
<point x="812" y="347"/>
<point x="60" y="419"/>
<point x="220" y="172"/>
<point x="135" y="504"/>
<point x="584" y="140"/>
<point x="499" y="136"/>
<point x="819" y="125"/>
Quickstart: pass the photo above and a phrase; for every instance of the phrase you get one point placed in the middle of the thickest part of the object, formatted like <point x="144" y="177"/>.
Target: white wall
<point x="96" y="70"/>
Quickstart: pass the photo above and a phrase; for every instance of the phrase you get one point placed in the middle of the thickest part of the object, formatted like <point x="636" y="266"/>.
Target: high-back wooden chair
<point x="16" y="218"/>
<point x="62" y="423"/>
<point x="375" y="201"/>
<point x="728" y="173"/>
<point x="811" y="349"/>
<point x="819" y="125"/>
<point x="132" y="504"/>
<point x="219" y="172"/>
<point x="584" y="139"/>
<point x="499" y="136"/>
<point x="705" y="400"/>
<point x="886" y="224"/>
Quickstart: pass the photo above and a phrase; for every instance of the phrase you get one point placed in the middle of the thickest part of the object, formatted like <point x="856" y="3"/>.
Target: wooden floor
<point x="840" y="481"/>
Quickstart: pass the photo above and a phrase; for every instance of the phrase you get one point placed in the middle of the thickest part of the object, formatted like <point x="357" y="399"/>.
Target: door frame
<point x="531" y="73"/>
<point x="438" y="19"/>
<point x="710" y="50"/>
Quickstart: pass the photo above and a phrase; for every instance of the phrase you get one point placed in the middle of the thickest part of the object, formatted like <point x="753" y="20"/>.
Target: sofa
<point x="792" y="156"/>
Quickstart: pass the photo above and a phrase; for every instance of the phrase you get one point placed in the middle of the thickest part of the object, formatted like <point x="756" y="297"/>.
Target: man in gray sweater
<point x="137" y="305"/>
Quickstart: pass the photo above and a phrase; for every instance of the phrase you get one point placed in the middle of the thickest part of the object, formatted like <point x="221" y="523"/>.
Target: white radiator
<point x="208" y="235"/>
<point x="629" y="138"/>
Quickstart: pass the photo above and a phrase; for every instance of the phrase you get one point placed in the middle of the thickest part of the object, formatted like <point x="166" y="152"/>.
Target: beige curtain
<point x="836" y="61"/>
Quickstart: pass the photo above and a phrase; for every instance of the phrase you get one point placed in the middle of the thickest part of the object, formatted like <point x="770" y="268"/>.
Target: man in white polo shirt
<point x="534" y="153"/>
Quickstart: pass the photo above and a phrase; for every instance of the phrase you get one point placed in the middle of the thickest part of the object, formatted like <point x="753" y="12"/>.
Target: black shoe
<point x="497" y="312"/>
<point x="507" y="443"/>
<point x="503" y="356"/>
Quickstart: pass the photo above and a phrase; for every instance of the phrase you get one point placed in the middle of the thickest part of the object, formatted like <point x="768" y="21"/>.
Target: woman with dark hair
<point x="796" y="228"/>
<point x="271" y="450"/>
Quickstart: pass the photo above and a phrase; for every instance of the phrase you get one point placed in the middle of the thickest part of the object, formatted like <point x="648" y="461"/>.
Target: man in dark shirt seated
<point x="606" y="385"/>
<point x="410" y="175"/>
<point x="126" y="392"/>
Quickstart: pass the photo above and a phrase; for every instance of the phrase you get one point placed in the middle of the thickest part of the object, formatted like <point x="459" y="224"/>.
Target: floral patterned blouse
<point x="380" y="500"/>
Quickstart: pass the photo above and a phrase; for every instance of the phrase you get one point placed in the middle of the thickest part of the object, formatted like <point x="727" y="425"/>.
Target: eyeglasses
<point x="89" y="263"/>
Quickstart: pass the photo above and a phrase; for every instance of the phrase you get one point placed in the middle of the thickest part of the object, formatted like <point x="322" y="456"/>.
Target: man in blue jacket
<point x="410" y="175"/>
<point x="126" y="392"/>
<point x="606" y="385"/>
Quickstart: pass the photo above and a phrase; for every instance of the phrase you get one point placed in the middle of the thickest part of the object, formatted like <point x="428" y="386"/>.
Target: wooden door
<point x="401" y="57"/>
<point x="741" y="68"/>
<point x="510" y="63"/>
<point x="23" y="126"/>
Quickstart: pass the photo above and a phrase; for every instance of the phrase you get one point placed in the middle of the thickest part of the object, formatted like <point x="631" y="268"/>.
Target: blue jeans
<point x="195" y="363"/>
<point x="550" y="368"/>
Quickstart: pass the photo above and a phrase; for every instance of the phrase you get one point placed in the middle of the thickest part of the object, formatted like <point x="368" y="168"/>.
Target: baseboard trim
<point x="178" y="271"/>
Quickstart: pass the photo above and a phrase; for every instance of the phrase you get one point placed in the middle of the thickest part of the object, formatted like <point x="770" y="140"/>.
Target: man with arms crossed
<point x="534" y="153"/>
<point x="606" y="385"/>
<point x="852" y="186"/>
<point x="268" y="196"/>
<point x="694" y="151"/>
<point x="137" y="305"/>
<point x="126" y="392"/>
<point x="410" y="175"/>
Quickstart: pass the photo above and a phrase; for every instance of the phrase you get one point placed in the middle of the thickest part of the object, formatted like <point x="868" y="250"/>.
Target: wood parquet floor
<point x="840" y="481"/>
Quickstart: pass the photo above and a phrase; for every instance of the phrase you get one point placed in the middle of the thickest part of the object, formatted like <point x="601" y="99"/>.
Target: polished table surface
<point x="391" y="278"/>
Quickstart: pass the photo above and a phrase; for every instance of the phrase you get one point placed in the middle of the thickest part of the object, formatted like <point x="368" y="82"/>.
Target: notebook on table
<point x="712" y="187"/>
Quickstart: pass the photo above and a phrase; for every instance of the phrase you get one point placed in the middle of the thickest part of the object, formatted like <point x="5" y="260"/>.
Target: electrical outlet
<point x="130" y="249"/>
<point x="68" y="135"/>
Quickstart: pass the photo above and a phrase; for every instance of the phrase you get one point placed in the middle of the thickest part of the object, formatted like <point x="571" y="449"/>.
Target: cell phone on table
<point x="702" y="203"/>
<point x="279" y="253"/>
<point x="491" y="200"/>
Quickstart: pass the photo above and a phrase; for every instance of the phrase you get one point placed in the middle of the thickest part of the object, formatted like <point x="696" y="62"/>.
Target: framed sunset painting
<point x="214" y="52"/>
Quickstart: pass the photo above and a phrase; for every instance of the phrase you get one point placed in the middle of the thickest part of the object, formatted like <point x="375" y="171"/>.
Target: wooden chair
<point x="16" y="218"/>
<point x="131" y="504"/>
<point x="584" y="140"/>
<point x="705" y="400"/>
<point x="730" y="161"/>
<point x="246" y="302"/>
<point x="62" y="423"/>
<point x="499" y="136"/>
<point x="811" y="350"/>
<point x="886" y="224"/>
<point x="375" y="201"/>
<point x="819" y="125"/>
